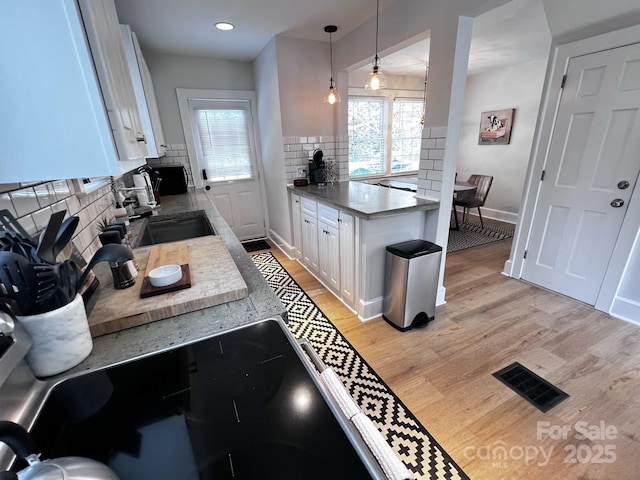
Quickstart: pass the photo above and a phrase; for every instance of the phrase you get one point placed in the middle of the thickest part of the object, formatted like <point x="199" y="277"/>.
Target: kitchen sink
<point x="176" y="227"/>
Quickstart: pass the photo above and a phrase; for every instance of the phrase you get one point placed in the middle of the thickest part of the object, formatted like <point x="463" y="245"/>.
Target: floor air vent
<point x="531" y="387"/>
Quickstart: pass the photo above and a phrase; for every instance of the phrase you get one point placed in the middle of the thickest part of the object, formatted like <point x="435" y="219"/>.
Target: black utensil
<point x="11" y="241"/>
<point x="108" y="253"/>
<point x="10" y="223"/>
<point x="53" y="289"/>
<point x="17" y="282"/>
<point x="65" y="232"/>
<point x="48" y="240"/>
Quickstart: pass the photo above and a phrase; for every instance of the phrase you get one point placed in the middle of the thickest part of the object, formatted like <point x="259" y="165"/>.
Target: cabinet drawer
<point x="328" y="215"/>
<point x="308" y="206"/>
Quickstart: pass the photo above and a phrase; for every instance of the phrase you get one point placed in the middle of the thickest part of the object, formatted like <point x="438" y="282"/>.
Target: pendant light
<point x="376" y="79"/>
<point x="424" y="98"/>
<point x="332" y="95"/>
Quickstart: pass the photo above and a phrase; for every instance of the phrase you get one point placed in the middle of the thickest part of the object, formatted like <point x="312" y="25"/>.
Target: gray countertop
<point x="168" y="333"/>
<point x="364" y="200"/>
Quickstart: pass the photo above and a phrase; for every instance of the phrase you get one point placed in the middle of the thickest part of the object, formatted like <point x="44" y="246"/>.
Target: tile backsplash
<point x="33" y="203"/>
<point x="176" y="155"/>
<point x="299" y="150"/>
<point x="431" y="162"/>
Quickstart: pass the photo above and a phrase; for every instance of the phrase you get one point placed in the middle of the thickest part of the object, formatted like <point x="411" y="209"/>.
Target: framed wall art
<point x="495" y="127"/>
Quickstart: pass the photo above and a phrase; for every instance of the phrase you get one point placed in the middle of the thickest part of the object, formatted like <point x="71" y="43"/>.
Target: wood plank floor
<point x="443" y="373"/>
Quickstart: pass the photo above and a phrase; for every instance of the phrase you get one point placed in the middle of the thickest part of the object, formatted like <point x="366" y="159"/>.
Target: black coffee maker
<point x="316" y="168"/>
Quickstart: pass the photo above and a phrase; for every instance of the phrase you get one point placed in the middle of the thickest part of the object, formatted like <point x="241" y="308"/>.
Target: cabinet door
<point x="329" y="256"/>
<point x="310" y="242"/>
<point x="53" y="122"/>
<point x="347" y="258"/>
<point x="151" y="102"/>
<point x="297" y="226"/>
<point x="103" y="32"/>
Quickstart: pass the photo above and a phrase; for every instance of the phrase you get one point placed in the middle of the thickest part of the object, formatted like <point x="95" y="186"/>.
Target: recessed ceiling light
<point x="224" y="26"/>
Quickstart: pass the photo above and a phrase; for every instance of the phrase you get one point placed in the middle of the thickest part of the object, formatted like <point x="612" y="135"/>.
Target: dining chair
<point x="483" y="184"/>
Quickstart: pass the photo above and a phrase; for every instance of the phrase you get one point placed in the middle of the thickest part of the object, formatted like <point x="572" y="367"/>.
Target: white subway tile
<point x="24" y="201"/>
<point x="41" y="218"/>
<point x="434" y="175"/>
<point x="5" y="203"/>
<point x="436" y="154"/>
<point x="438" y="132"/>
<point x="28" y="224"/>
<point x="428" y="143"/>
<point x="426" y="164"/>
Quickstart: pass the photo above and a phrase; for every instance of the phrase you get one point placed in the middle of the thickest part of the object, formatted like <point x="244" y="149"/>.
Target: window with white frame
<point x="384" y="137"/>
<point x="367" y="132"/>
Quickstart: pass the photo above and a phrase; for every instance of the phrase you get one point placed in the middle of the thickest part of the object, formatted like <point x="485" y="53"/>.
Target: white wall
<point x="270" y="120"/>
<point x="178" y="71"/>
<point x="520" y="88"/>
<point x="303" y="74"/>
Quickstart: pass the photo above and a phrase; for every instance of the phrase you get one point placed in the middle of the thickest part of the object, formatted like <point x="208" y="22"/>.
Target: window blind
<point x="224" y="134"/>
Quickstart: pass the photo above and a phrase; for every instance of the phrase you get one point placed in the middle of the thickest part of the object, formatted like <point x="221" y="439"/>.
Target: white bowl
<point x="165" y="275"/>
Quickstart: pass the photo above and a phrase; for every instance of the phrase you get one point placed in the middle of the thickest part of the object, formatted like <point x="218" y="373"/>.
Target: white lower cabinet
<point x="297" y="226"/>
<point x="329" y="256"/>
<point x="310" y="242"/>
<point x="326" y="242"/>
<point x="347" y="258"/>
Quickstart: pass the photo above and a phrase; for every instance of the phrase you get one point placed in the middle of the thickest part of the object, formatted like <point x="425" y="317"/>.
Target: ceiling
<point x="506" y="36"/>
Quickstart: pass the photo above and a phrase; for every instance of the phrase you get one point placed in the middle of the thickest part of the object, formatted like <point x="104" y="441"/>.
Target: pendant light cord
<point x="331" y="55"/>
<point x="377" y="23"/>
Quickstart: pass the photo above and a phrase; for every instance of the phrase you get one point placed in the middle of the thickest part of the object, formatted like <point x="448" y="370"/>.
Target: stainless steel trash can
<point x="411" y="283"/>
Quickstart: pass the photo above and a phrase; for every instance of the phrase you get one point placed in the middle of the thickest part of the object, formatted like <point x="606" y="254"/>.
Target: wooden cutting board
<point x="215" y="279"/>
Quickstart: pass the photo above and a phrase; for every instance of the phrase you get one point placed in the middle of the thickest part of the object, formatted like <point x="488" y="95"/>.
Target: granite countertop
<point x="163" y="334"/>
<point x="366" y="201"/>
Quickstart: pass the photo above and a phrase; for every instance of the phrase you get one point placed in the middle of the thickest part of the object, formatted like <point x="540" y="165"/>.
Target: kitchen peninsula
<point x="340" y="233"/>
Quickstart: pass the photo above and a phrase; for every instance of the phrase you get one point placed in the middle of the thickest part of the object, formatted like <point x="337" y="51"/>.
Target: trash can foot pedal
<point x="420" y="321"/>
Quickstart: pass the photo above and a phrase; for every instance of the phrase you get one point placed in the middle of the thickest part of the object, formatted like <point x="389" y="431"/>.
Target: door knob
<point x="617" y="202"/>
<point x="623" y="184"/>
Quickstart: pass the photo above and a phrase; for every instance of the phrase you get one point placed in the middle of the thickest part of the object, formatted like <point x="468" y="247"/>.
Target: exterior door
<point x="221" y="138"/>
<point x="240" y="205"/>
<point x="590" y="173"/>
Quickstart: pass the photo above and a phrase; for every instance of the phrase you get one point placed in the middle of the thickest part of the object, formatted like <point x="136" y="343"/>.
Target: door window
<point x="224" y="136"/>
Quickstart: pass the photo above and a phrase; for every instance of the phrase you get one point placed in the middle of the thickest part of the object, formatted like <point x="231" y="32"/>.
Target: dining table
<point x="461" y="189"/>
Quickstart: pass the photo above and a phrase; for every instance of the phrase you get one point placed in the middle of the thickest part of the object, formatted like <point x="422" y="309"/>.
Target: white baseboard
<point x="500" y="215"/>
<point x="287" y="249"/>
<point x="369" y="310"/>
<point x="626" y="309"/>
<point x="508" y="268"/>
<point x="440" y="296"/>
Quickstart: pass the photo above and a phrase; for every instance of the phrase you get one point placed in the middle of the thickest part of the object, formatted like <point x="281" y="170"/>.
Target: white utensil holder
<point x="61" y="338"/>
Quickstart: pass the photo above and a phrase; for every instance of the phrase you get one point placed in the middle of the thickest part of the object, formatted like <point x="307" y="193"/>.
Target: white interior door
<point x="590" y="173"/>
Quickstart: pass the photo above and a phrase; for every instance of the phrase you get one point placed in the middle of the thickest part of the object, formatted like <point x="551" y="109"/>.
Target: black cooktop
<point x="240" y="405"/>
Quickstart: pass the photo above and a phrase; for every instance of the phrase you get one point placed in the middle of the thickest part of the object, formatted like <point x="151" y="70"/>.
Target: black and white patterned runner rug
<point x="410" y="440"/>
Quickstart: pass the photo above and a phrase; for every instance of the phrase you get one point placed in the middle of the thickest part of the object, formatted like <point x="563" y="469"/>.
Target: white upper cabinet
<point x="105" y="40"/>
<point x="145" y="94"/>
<point x="68" y="104"/>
